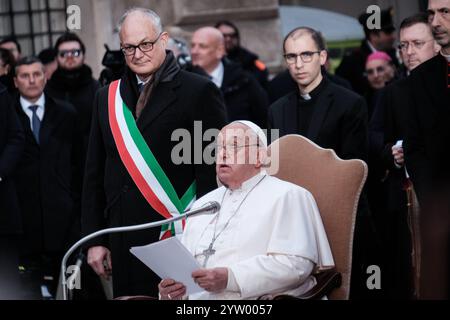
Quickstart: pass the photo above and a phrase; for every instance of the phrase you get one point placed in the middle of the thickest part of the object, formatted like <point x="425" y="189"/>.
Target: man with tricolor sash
<point x="130" y="176"/>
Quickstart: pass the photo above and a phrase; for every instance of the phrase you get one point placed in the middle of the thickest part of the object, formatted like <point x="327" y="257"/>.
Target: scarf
<point x="166" y="73"/>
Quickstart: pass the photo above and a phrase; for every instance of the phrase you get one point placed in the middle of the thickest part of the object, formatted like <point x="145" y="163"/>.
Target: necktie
<point x="144" y="96"/>
<point x="36" y="123"/>
<point x="140" y="87"/>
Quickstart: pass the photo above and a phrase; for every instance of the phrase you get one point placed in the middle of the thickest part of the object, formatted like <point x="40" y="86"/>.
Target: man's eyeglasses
<point x="306" y="56"/>
<point x="70" y="53"/>
<point x="146" y="46"/>
<point x="379" y="69"/>
<point x="416" y="44"/>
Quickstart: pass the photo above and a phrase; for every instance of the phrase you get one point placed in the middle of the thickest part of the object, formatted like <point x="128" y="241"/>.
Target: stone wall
<point x="258" y="21"/>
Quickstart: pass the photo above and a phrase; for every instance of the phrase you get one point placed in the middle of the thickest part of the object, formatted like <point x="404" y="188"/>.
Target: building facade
<point x="37" y="23"/>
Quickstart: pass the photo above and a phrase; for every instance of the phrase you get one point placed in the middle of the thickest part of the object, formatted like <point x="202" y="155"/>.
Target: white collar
<point x="217" y="75"/>
<point x="26" y="104"/>
<point x="251" y="183"/>
<point x="446" y="56"/>
<point x="139" y="81"/>
<point x="371" y="47"/>
<point x="306" y="96"/>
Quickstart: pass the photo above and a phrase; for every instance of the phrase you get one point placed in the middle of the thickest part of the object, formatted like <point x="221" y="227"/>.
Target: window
<point x="36" y="24"/>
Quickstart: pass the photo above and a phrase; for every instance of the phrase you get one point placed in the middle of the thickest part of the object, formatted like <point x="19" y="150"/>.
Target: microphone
<point x="208" y="208"/>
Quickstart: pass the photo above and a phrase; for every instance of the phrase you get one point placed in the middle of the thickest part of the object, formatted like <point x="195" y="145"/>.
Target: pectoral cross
<point x="208" y="253"/>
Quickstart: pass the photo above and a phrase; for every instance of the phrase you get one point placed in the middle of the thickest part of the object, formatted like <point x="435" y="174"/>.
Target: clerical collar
<point x="446" y="56"/>
<point x="306" y="97"/>
<point x="313" y="94"/>
<point x="250" y="183"/>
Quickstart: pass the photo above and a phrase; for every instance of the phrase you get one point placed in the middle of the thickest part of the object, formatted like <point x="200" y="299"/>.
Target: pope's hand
<point x="99" y="258"/>
<point x="212" y="280"/>
<point x="171" y="290"/>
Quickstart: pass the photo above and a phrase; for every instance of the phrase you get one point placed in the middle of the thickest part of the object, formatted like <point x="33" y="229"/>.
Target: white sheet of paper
<point x="170" y="259"/>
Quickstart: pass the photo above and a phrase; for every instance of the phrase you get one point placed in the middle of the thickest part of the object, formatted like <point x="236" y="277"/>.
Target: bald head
<point x="213" y="34"/>
<point x="135" y="15"/>
<point x="301" y="32"/>
<point x="207" y="48"/>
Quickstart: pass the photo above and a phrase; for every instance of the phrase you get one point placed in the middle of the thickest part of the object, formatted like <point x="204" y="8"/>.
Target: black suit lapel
<point x="25" y="122"/>
<point x="323" y="103"/>
<point x="437" y="88"/>
<point x="231" y="73"/>
<point x="227" y="77"/>
<point x="52" y="118"/>
<point x="162" y="96"/>
<point x="290" y="115"/>
<point x="431" y="89"/>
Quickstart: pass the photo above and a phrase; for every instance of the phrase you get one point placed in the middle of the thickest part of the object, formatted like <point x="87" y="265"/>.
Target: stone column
<point x="97" y="28"/>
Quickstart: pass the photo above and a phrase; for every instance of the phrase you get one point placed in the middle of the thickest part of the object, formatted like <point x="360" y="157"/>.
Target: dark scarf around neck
<point x="166" y="73"/>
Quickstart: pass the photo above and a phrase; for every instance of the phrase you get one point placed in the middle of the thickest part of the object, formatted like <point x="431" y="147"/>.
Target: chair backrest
<point x="336" y="185"/>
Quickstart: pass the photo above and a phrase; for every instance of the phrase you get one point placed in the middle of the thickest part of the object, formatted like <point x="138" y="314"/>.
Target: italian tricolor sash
<point x="143" y="167"/>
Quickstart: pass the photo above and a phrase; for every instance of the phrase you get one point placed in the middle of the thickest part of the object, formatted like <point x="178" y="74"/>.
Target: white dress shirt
<point x="217" y="75"/>
<point x="371" y="47"/>
<point x="139" y="81"/>
<point x="26" y="104"/>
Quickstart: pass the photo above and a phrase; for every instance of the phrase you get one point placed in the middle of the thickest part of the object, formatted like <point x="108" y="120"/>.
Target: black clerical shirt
<point x="306" y="108"/>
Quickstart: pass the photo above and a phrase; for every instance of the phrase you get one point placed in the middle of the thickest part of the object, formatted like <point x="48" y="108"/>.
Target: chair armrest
<point x="327" y="281"/>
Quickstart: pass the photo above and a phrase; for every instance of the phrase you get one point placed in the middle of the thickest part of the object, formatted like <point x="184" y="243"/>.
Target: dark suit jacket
<point x="77" y="88"/>
<point x="244" y="97"/>
<point x="111" y="198"/>
<point x="11" y="148"/>
<point x="427" y="155"/>
<point x="392" y="112"/>
<point x="426" y="151"/>
<point x="339" y="121"/>
<point x="251" y="63"/>
<point x="387" y="198"/>
<point x="48" y="179"/>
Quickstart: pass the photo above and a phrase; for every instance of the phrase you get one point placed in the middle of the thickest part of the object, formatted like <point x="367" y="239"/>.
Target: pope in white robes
<point x="268" y="237"/>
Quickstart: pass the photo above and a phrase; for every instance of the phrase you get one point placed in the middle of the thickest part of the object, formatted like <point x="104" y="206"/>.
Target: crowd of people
<point x="79" y="155"/>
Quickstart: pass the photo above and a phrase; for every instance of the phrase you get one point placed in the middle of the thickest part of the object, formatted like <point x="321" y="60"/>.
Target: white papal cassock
<point x="271" y="244"/>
